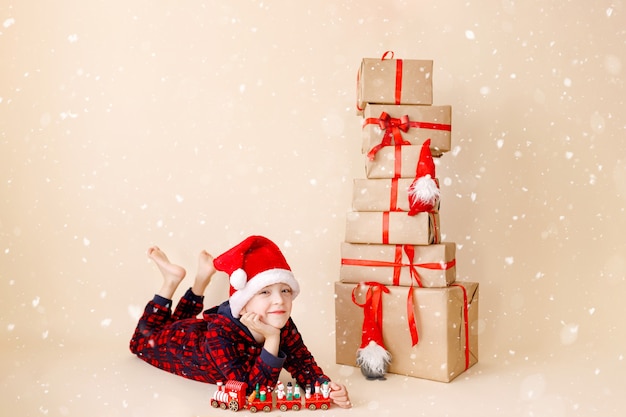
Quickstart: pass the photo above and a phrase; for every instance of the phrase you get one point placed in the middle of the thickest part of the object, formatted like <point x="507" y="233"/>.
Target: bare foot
<point x="206" y="269"/>
<point x="172" y="274"/>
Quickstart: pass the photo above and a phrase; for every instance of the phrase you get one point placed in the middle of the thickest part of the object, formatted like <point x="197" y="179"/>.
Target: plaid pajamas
<point x="217" y="347"/>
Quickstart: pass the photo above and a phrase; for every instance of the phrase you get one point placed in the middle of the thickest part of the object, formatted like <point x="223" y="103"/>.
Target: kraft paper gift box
<point x="386" y="194"/>
<point x="394" y="81"/>
<point x="399" y="161"/>
<point x="433" y="265"/>
<point x="393" y="227"/>
<point x="388" y="124"/>
<point x="445" y="325"/>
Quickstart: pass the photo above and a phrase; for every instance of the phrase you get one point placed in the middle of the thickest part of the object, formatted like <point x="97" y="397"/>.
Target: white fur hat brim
<point x="271" y="276"/>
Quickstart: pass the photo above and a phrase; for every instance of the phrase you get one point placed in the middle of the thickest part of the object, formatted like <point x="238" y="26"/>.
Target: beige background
<point x="193" y="124"/>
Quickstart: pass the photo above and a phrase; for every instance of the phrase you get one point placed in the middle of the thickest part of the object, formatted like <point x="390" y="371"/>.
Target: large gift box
<point x="383" y="194"/>
<point x="445" y="322"/>
<point x="392" y="227"/>
<point x="385" y="125"/>
<point x="394" y="81"/>
<point x="399" y="265"/>
<point x="398" y="161"/>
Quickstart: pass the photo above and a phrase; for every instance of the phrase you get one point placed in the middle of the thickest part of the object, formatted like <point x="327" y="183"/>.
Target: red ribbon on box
<point x="374" y="308"/>
<point x="393" y="203"/>
<point x="392" y="128"/>
<point x="397" y="264"/>
<point x="385" y="239"/>
<point x="398" y="89"/>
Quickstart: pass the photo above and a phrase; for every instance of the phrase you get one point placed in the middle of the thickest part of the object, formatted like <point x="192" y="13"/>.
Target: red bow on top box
<point x="394" y="81"/>
<point x="386" y="125"/>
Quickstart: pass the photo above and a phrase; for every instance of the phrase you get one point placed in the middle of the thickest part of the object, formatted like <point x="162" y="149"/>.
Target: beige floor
<point x="106" y="380"/>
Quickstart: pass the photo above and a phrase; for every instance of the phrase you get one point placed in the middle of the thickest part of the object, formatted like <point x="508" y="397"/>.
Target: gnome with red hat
<point x="249" y="338"/>
<point x="424" y="191"/>
<point x="372" y="356"/>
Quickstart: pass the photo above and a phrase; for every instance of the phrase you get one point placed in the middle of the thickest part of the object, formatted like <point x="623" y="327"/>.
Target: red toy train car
<point x="232" y="396"/>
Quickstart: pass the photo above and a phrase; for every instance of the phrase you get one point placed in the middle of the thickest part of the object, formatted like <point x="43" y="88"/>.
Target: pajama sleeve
<point x="299" y="361"/>
<point x="239" y="357"/>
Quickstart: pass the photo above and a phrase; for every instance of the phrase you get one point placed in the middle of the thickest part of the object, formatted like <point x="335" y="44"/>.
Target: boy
<point x="248" y="338"/>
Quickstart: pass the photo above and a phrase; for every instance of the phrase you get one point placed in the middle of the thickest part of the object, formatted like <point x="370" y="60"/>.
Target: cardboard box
<point x="448" y="338"/>
<point x="434" y="265"/>
<point x="392" y="228"/>
<point x="383" y="194"/>
<point x="394" y="81"/>
<point x="411" y="123"/>
<point x="394" y="162"/>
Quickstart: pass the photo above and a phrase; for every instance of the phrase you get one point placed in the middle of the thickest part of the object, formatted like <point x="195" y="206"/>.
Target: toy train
<point x="232" y="396"/>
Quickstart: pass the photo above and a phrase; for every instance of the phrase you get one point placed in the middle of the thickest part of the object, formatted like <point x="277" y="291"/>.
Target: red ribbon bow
<point x="392" y="128"/>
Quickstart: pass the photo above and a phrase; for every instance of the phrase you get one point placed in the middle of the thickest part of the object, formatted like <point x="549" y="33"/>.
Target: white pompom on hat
<point x="253" y="264"/>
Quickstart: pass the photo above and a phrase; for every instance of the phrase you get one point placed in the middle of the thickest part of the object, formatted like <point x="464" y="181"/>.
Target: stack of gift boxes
<point x="398" y="286"/>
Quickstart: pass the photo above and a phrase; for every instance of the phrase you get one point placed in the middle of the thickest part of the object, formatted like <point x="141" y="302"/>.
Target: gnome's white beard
<point x="373" y="358"/>
<point x="425" y="190"/>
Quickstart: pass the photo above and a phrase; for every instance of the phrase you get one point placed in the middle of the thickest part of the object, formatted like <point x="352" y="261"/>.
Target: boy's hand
<point x="339" y="395"/>
<point x="255" y="323"/>
<point x="269" y="333"/>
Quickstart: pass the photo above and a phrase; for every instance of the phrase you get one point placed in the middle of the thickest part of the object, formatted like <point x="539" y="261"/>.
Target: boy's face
<point x="272" y="304"/>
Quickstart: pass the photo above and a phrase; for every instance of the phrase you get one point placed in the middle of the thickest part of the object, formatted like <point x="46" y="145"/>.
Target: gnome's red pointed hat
<point x="424" y="191"/>
<point x="253" y="264"/>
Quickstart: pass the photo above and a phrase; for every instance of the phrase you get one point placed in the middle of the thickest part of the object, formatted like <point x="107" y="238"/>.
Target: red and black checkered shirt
<point x="217" y="347"/>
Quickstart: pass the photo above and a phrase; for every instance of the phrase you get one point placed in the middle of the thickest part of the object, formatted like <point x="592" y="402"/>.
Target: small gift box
<point x="399" y="265"/>
<point x="385" y="125"/>
<point x="394" y="81"/>
<point x="393" y="162"/>
<point x="392" y="228"/>
<point x="386" y="194"/>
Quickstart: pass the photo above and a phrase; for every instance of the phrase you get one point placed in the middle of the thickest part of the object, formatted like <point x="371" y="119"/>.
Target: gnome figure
<point x="424" y="191"/>
<point x="372" y="356"/>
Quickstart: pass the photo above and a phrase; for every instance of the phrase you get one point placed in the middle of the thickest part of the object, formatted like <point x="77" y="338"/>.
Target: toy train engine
<point x="231" y="395"/>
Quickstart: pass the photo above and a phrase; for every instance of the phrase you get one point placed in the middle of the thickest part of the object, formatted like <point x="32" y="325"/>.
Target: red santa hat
<point x="424" y="191"/>
<point x="252" y="265"/>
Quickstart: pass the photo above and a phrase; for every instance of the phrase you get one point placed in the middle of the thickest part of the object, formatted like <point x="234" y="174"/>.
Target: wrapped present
<point x="392" y="228"/>
<point x="394" y="81"/>
<point x="393" y="162"/>
<point x="383" y="194"/>
<point x="430" y="333"/>
<point x="386" y="125"/>
<point x="399" y="265"/>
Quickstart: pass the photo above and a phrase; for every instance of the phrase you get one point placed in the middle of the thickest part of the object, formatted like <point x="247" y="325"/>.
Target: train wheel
<point x="283" y="407"/>
<point x="233" y="405"/>
<point x="312" y="407"/>
<point x="253" y="409"/>
<point x="295" y="407"/>
<point x="267" y="408"/>
<point x="223" y="406"/>
<point x="214" y="404"/>
<point x="324" y="407"/>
